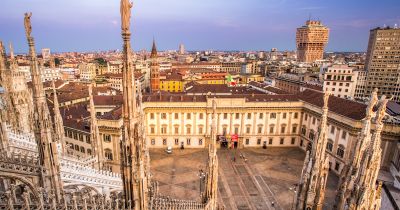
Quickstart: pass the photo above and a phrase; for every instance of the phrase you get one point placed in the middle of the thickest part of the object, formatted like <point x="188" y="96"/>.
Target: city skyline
<point x="256" y="25"/>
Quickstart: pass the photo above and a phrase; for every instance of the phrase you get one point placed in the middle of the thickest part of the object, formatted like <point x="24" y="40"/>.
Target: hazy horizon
<point x="252" y="25"/>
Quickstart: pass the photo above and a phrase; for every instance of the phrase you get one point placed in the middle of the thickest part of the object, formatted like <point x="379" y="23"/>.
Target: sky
<point x="93" y="25"/>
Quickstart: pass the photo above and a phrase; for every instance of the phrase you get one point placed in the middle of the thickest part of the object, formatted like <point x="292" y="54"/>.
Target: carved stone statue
<point x="125" y="14"/>
<point x="374" y="100"/>
<point x="27" y="23"/>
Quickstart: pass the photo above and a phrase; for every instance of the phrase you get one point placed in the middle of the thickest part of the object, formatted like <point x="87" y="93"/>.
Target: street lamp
<point x="202" y="176"/>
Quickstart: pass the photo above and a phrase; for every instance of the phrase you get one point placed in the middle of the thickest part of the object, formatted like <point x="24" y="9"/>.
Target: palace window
<point x="271" y="129"/>
<point x="281" y="141"/>
<point x="77" y="147"/>
<point x="152" y="130"/>
<point x="247" y="141"/>
<point x="236" y="130"/>
<point x="261" y="115"/>
<point x="153" y="141"/>
<point x="340" y="151"/>
<point x="89" y="151"/>
<point x="329" y="145"/>
<point x="259" y="129"/>
<point x="82" y="149"/>
<point x="176" y="116"/>
<point x="188" y="130"/>
<point x="272" y="115"/>
<point x="108" y="154"/>
<point x="248" y="116"/>
<point x="332" y="129"/>
<point x="200" y="141"/>
<point x="201" y="116"/>
<point x="224" y="129"/>
<point x="314" y="120"/>
<point x="305" y="117"/>
<point x="188" y="141"/>
<point x="80" y="137"/>
<point x="293" y="140"/>
<point x="283" y="129"/>
<point x="163" y="129"/>
<point x="237" y="116"/>
<point x="294" y="129"/>
<point x="88" y="139"/>
<point x="270" y="141"/>
<point x="188" y="116"/>
<point x="303" y="130"/>
<point x="225" y="116"/>
<point x="296" y="115"/>
<point x="337" y="166"/>
<point x="76" y="136"/>
<point x="284" y="115"/>
<point x="311" y="136"/>
<point x="152" y="116"/>
<point x="344" y="134"/>
<point x="247" y="129"/>
<point x="258" y="141"/>
<point x="176" y="129"/>
<point x="163" y="116"/>
<point x="106" y="138"/>
<point x="200" y="129"/>
<point x="176" y="141"/>
<point x="164" y="141"/>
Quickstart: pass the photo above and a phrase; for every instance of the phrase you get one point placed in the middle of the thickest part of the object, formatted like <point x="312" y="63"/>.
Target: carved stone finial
<point x="326" y="98"/>
<point x="27" y="23"/>
<point x="125" y="10"/>
<point x="372" y="103"/>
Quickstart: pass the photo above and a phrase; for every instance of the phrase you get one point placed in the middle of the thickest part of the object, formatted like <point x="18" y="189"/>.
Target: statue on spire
<point x="125" y="10"/>
<point x="27" y="23"/>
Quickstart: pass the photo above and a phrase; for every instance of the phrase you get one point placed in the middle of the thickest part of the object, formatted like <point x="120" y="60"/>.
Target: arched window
<point x="340" y="151"/>
<point x="77" y="147"/>
<point x="89" y="151"/>
<point x="303" y="130"/>
<point x="329" y="145"/>
<point x="108" y="154"/>
<point x="82" y="149"/>
<point x="311" y="135"/>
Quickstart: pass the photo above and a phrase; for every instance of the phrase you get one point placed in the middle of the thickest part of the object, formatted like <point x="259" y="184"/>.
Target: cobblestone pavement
<point x="261" y="182"/>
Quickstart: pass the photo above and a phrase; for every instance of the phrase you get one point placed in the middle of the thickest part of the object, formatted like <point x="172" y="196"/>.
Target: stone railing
<point x="69" y="201"/>
<point x="21" y="142"/>
<point x="160" y="203"/>
<point x="19" y="164"/>
<point x="80" y="174"/>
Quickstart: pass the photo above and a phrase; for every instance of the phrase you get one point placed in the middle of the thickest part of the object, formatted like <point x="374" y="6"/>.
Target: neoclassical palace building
<point x="243" y="120"/>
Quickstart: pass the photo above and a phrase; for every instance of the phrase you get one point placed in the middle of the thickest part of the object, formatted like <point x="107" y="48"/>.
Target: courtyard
<point x="264" y="181"/>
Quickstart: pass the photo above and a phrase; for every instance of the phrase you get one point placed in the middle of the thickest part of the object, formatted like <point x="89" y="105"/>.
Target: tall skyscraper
<point x="311" y="40"/>
<point x="181" y="49"/>
<point x="383" y="62"/>
<point x="46" y="53"/>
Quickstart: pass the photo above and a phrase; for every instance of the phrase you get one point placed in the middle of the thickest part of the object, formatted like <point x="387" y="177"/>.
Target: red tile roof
<point x="347" y="108"/>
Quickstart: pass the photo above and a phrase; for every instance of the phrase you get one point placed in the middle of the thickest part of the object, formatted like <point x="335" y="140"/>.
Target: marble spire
<point x="311" y="192"/>
<point x="47" y="147"/>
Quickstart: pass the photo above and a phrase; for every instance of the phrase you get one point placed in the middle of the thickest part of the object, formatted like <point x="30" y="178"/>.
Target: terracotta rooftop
<point x="114" y="114"/>
<point x="113" y="100"/>
<point x="351" y="109"/>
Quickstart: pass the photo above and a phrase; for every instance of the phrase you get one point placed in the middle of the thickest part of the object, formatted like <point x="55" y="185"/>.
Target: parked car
<point x="169" y="150"/>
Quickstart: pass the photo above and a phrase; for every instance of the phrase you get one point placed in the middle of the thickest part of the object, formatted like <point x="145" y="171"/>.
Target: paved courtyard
<point x="261" y="182"/>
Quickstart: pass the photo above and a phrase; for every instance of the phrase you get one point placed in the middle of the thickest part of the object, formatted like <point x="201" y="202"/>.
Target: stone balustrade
<point x="76" y="173"/>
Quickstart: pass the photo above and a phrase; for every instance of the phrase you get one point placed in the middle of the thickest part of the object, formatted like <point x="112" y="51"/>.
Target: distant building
<point x="311" y="40"/>
<point x="181" y="49"/>
<point x="46" y="53"/>
<point x="87" y="71"/>
<point x="382" y="62"/>
<point x="340" y="80"/>
<point x="154" y="70"/>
